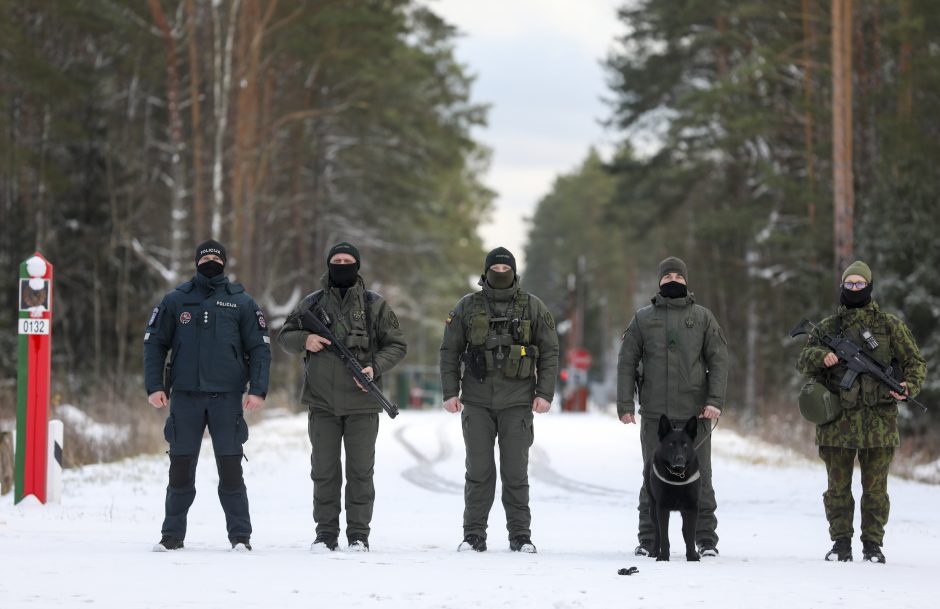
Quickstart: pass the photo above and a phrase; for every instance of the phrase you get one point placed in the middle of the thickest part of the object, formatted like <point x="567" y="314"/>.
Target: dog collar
<point x="691" y="479"/>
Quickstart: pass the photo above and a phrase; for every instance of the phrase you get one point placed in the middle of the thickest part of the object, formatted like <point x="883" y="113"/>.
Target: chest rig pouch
<point x="871" y="334"/>
<point x="501" y="343"/>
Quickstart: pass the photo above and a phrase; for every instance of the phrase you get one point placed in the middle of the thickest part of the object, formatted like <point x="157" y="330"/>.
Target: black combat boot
<point x="241" y="544"/>
<point x="522" y="543"/>
<point x="871" y="552"/>
<point x="325" y="542"/>
<point x="167" y="543"/>
<point x="358" y="543"/>
<point x="645" y="549"/>
<point x="841" y="550"/>
<point x="472" y="542"/>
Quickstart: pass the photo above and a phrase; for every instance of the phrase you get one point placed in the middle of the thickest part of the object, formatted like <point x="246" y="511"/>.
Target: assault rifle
<point x="311" y="322"/>
<point x="857" y="360"/>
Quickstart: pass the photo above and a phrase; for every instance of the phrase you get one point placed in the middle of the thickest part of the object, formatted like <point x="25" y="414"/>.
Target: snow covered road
<point x="93" y="550"/>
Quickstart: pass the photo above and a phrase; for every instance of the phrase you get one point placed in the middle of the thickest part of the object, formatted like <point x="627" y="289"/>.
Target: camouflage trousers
<point x="838" y="499"/>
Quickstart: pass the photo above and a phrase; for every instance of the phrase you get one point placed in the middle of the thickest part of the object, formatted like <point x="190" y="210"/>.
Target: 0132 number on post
<point x="34" y="326"/>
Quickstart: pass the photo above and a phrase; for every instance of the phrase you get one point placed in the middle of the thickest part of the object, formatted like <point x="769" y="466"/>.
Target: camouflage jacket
<point x="869" y="417"/>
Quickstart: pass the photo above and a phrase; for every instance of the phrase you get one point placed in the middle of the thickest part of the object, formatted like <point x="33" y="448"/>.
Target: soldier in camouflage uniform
<point x="675" y="357"/>
<point x="340" y="412"/>
<point x="505" y="338"/>
<point x="868" y="424"/>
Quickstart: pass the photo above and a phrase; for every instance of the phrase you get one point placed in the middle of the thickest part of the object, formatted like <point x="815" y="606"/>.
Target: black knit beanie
<point x="500" y="256"/>
<point x="344" y="247"/>
<point x="210" y="247"/>
<point x="673" y="265"/>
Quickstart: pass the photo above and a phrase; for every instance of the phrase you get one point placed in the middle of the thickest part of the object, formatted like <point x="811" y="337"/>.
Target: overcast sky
<point x="537" y="65"/>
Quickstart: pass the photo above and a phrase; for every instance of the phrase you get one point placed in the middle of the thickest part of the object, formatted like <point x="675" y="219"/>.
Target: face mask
<point x="500" y="281"/>
<point x="210" y="268"/>
<point x="674" y="289"/>
<point x="856" y="300"/>
<point x="343" y="276"/>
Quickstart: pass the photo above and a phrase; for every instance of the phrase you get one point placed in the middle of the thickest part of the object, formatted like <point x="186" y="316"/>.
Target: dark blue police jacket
<point x="216" y="335"/>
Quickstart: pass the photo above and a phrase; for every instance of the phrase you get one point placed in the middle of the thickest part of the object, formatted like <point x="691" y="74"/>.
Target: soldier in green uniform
<point x="341" y="412"/>
<point x="499" y="359"/>
<point x="867" y="427"/>
<point x="675" y="355"/>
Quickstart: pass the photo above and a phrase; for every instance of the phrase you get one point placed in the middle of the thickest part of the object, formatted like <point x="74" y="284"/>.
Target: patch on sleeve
<point x="450" y="317"/>
<point x="393" y="319"/>
<point x="262" y="324"/>
<point x="153" y="317"/>
<point x="147" y="336"/>
<point x="549" y="320"/>
<point x="266" y="339"/>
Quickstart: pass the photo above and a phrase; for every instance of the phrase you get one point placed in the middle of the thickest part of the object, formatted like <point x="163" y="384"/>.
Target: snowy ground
<point x="93" y="550"/>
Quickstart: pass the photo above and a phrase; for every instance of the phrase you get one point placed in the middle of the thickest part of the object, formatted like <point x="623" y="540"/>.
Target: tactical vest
<point x="505" y="341"/>
<point x="355" y="338"/>
<point x="867" y="391"/>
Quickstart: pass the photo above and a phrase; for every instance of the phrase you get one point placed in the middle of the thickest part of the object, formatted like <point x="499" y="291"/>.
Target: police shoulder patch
<point x="450" y="317"/>
<point x="549" y="320"/>
<point x="153" y="317"/>
<point x="392" y="318"/>
<point x="262" y="324"/>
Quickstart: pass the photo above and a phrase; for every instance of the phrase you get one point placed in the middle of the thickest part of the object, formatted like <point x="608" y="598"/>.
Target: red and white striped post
<point x="32" y="387"/>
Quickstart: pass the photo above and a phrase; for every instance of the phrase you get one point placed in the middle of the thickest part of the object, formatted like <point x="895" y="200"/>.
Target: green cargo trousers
<point x="838" y="499"/>
<point x="358" y="433"/>
<point x="707" y="523"/>
<point x="481" y="427"/>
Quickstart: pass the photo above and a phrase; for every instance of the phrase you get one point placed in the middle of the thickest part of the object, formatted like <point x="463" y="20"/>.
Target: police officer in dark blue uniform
<point x="217" y="339"/>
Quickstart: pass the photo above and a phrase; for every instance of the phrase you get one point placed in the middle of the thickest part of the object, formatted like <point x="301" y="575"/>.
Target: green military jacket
<point x="327" y="383"/>
<point x="468" y="324"/>
<point x="869" y="417"/>
<point x="675" y="352"/>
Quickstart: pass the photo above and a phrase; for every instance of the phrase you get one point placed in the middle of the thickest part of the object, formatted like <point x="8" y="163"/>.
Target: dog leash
<point x="712" y="428"/>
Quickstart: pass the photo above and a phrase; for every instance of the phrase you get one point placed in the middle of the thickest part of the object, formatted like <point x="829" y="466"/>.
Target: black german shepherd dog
<point x="671" y="478"/>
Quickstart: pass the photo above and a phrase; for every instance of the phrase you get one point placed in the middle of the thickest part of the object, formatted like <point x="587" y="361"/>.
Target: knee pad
<point x="230" y="472"/>
<point x="180" y="471"/>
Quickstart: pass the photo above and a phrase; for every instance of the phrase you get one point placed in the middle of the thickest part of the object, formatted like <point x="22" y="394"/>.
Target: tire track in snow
<point x="540" y="469"/>
<point x="423" y="475"/>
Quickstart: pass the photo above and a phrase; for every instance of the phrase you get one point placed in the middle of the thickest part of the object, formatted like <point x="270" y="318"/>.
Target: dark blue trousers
<point x="190" y="414"/>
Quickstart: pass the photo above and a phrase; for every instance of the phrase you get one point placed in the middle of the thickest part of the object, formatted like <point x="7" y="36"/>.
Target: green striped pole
<point x="34" y="352"/>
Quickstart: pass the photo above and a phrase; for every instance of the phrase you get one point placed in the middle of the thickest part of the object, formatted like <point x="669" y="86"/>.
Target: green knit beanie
<point x="673" y="265"/>
<point x="858" y="268"/>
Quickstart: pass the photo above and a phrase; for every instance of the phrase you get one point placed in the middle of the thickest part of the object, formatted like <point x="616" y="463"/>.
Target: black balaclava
<point x="500" y="281"/>
<point x="210" y="268"/>
<point x="853" y="299"/>
<point x="503" y="280"/>
<point x="343" y="276"/>
<point x="674" y="289"/>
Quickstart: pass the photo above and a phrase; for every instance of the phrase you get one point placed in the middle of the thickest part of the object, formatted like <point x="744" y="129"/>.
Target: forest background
<point x="129" y="130"/>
